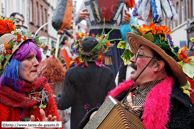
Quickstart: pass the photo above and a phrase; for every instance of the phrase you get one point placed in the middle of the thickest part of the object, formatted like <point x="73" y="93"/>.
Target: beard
<point x="134" y="66"/>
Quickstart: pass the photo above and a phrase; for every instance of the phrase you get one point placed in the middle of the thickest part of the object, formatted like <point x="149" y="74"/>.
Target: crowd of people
<point x="36" y="86"/>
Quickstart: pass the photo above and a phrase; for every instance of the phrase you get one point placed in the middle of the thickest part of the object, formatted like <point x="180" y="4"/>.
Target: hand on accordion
<point x="83" y="14"/>
<point x="126" y="17"/>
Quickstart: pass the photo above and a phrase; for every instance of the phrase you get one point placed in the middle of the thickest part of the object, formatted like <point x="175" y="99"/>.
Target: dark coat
<point x="85" y="86"/>
<point x="181" y="110"/>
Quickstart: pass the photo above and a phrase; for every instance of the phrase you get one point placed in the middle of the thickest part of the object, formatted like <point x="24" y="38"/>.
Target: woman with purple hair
<point x="24" y="96"/>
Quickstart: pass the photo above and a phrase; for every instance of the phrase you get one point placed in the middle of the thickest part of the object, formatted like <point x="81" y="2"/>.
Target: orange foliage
<point x="53" y="70"/>
<point x="182" y="55"/>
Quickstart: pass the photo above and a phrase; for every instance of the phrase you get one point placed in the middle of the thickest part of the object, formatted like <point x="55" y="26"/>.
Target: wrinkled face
<point x="139" y="62"/>
<point x="28" y="70"/>
<point x="19" y="21"/>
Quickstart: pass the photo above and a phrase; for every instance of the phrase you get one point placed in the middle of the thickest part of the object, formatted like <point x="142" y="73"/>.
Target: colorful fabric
<point x="11" y="113"/>
<point x="138" y="97"/>
<point x="14" y="99"/>
<point x="66" y="57"/>
<point x="157" y="104"/>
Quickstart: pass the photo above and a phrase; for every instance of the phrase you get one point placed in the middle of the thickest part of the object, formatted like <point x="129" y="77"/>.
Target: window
<point x="37" y="13"/>
<point x="23" y="7"/>
<point x="41" y="15"/>
<point x="30" y="10"/>
<point x="193" y="6"/>
<point x="177" y="10"/>
<point x="17" y="6"/>
<point x="45" y="16"/>
<point x="7" y="8"/>
<point x="182" y="12"/>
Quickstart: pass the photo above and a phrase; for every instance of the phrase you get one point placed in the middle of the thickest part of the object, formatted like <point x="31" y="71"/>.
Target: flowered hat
<point x="158" y="39"/>
<point x="11" y="40"/>
<point x="91" y="48"/>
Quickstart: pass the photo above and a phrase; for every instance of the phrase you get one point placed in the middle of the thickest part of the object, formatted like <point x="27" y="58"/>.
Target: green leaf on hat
<point x="121" y="45"/>
<point x="135" y="29"/>
<point x="126" y="56"/>
<point x="7" y="57"/>
<point x="156" y="40"/>
<point x="1" y="58"/>
<point x="149" y="36"/>
<point x="180" y="63"/>
<point x="11" y="45"/>
<point x="186" y="88"/>
<point x="191" y="59"/>
<point x="188" y="69"/>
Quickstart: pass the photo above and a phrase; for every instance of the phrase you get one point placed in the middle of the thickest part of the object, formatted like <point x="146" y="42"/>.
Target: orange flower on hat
<point x="24" y="38"/>
<point x="19" y="35"/>
<point x="100" y="59"/>
<point x="6" y="46"/>
<point x="9" y="25"/>
<point x="81" y="35"/>
<point x="182" y="55"/>
<point x="92" y="35"/>
<point x="86" y="34"/>
<point x="8" y="51"/>
<point x="108" y="44"/>
<point x="151" y="28"/>
<point x="77" y="60"/>
<point x="19" y="39"/>
<point x="3" y="26"/>
<point x="165" y="30"/>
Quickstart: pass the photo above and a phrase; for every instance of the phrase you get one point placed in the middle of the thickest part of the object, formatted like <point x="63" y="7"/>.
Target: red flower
<point x="6" y="46"/>
<point x="8" y="51"/>
<point x="19" y="35"/>
<point x="4" y="53"/>
<point x="3" y="26"/>
<point x="100" y="58"/>
<point x="24" y="38"/>
<point x="92" y="35"/>
<point x="108" y="44"/>
<point x="19" y="39"/>
<point x="77" y="60"/>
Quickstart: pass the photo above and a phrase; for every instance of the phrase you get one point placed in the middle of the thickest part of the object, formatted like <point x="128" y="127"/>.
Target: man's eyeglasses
<point x="140" y="55"/>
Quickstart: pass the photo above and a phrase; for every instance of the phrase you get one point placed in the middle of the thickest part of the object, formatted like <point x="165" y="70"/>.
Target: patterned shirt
<point x="137" y="97"/>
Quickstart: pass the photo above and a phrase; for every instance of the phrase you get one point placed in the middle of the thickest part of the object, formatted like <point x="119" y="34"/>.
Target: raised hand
<point x="83" y="15"/>
<point x="126" y="17"/>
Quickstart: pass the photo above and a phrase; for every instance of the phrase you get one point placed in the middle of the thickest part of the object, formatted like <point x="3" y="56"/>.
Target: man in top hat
<point x="86" y="84"/>
<point x="153" y="93"/>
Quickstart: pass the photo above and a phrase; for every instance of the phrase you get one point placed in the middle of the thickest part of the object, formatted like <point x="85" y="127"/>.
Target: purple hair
<point x="25" y="49"/>
<point x="10" y="76"/>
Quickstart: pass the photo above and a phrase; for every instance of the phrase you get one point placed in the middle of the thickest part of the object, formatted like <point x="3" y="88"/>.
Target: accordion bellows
<point x="112" y="115"/>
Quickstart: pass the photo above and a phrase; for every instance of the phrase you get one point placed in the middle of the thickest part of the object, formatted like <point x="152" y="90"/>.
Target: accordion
<point x="101" y="10"/>
<point x="112" y="115"/>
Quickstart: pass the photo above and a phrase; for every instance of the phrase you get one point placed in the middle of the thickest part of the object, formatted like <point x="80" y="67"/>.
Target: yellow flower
<point x="182" y="55"/>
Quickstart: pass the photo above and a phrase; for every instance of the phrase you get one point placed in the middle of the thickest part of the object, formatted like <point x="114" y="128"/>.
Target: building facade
<point x="7" y="7"/>
<point x="183" y="28"/>
<point x="52" y="33"/>
<point x="38" y="16"/>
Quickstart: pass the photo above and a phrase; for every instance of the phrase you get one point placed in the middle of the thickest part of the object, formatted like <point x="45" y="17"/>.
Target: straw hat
<point x="136" y="40"/>
<point x="6" y="39"/>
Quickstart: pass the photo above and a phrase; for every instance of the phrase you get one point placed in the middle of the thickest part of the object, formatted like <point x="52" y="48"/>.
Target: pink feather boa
<point x="157" y="104"/>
